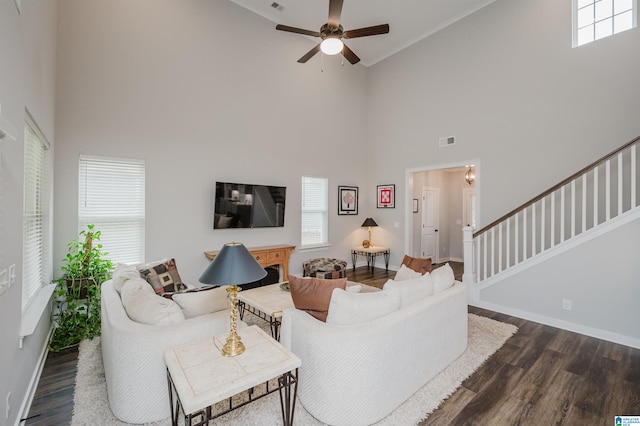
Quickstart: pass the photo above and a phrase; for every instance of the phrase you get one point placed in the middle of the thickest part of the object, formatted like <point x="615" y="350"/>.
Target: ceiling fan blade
<point x="335" y="10"/>
<point x="348" y="53"/>
<point x="368" y="31"/>
<point x="297" y="30"/>
<point x="309" y="54"/>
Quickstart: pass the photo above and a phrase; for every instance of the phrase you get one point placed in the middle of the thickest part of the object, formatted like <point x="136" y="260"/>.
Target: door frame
<point x="408" y="194"/>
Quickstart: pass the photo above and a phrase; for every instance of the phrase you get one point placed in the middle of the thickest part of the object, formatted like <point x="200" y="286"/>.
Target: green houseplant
<point x="77" y="312"/>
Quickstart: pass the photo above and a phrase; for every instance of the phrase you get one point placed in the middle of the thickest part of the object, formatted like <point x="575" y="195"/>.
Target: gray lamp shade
<point x="369" y="222"/>
<point x="233" y="265"/>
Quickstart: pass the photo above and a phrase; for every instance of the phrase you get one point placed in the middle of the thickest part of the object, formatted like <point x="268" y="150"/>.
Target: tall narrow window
<point x="596" y="19"/>
<point x="111" y="196"/>
<point x="35" y="216"/>
<point x="315" y="217"/>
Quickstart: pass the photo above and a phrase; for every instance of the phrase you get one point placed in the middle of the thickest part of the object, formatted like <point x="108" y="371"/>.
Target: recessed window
<point x="315" y="212"/>
<point x="111" y="197"/>
<point x="596" y="19"/>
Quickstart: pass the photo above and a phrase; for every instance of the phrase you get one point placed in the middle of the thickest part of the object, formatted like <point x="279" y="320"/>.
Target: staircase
<point x="599" y="198"/>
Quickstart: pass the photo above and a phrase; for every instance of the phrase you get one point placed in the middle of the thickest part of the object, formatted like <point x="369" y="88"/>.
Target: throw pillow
<point x="348" y="308"/>
<point x="354" y="288"/>
<point x="405" y="273"/>
<point x="201" y="300"/>
<point x="143" y="306"/>
<point x="443" y="278"/>
<point x="313" y="294"/>
<point x="123" y="273"/>
<point x="163" y="277"/>
<point x="413" y="290"/>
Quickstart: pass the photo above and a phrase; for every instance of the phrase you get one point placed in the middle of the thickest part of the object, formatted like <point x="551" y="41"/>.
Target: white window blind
<point x="35" y="252"/>
<point x="111" y="197"/>
<point x="315" y="217"/>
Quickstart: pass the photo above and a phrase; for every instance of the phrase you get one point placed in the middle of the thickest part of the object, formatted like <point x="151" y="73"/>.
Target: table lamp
<point x="369" y="222"/>
<point x="234" y="265"/>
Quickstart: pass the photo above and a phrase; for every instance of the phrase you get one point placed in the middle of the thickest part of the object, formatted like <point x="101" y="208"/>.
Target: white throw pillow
<point x="406" y="273"/>
<point x="413" y="290"/>
<point x="354" y="308"/>
<point x="202" y="302"/>
<point x="442" y="278"/>
<point x="355" y="288"/>
<point x="123" y="273"/>
<point x="143" y="305"/>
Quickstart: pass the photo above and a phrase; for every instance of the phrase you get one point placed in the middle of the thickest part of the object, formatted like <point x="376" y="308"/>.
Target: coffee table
<point x="199" y="376"/>
<point x="266" y="302"/>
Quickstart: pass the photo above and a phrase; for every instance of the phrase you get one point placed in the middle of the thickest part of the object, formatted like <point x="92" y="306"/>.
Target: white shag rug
<point x="486" y="336"/>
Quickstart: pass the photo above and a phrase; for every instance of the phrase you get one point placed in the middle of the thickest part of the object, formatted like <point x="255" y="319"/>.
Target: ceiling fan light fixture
<point x="331" y="46"/>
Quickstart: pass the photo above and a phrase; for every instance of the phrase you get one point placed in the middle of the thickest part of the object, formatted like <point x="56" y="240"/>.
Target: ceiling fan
<point x="332" y="34"/>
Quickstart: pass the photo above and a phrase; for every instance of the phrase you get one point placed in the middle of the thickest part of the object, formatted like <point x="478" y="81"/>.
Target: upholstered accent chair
<point x="417" y="264"/>
<point x="324" y="267"/>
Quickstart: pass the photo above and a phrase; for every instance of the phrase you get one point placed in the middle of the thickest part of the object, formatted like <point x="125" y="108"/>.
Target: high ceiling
<point x="409" y="20"/>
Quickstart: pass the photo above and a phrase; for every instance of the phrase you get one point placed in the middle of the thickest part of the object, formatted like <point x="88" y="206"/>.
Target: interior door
<point x="469" y="207"/>
<point x="430" y="209"/>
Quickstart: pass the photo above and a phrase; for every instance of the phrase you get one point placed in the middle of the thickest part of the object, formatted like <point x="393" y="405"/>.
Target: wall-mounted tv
<point x="239" y="205"/>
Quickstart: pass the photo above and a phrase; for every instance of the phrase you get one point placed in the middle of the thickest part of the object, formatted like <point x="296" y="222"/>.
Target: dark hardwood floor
<point x="541" y="376"/>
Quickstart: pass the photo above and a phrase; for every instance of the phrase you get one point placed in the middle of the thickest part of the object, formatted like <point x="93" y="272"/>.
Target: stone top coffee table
<point x="200" y="376"/>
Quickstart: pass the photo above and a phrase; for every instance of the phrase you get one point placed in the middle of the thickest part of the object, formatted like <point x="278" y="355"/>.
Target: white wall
<point x="27" y="81"/>
<point x="519" y="98"/>
<point x="204" y="91"/>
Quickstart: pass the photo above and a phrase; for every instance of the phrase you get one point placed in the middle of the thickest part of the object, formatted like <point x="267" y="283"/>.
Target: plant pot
<point x="82" y="283"/>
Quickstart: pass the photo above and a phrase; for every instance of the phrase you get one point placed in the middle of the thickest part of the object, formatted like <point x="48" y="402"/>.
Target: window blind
<point x="111" y="196"/>
<point x="35" y="265"/>
<point x="314" y="221"/>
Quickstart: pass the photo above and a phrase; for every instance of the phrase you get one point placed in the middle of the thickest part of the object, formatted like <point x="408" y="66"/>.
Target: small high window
<point x="596" y="19"/>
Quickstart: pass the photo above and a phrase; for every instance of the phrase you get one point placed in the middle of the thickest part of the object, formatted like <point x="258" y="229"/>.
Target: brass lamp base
<point x="234" y="345"/>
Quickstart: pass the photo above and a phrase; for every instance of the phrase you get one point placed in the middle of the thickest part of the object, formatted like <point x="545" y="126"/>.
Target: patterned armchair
<point x="324" y="268"/>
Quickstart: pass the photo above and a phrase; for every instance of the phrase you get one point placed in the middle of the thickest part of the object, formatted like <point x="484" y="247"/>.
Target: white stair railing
<point x="603" y="191"/>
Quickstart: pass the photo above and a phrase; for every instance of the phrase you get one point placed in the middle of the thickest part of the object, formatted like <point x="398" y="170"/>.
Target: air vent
<point x="447" y="141"/>
<point x="277" y="6"/>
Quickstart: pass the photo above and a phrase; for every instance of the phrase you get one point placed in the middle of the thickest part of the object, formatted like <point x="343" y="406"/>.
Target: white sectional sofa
<point x="359" y="373"/>
<point x="132" y="353"/>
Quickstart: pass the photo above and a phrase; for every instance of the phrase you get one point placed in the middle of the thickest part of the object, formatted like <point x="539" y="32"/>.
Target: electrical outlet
<point x="8" y="405"/>
<point x="566" y="304"/>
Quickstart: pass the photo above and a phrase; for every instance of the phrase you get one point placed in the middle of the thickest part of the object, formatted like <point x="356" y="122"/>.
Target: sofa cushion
<point x="348" y="308"/>
<point x="406" y="273"/>
<point x="163" y="277"/>
<point x="412" y="290"/>
<point x="313" y="294"/>
<point x="144" y="306"/>
<point x="201" y="300"/>
<point x="443" y="278"/>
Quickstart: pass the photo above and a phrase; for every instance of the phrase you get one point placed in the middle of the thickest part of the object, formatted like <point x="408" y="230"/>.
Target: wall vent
<point x="277" y="6"/>
<point x="447" y="141"/>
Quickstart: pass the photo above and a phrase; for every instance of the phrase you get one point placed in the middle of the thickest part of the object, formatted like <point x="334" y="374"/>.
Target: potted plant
<point x="77" y="313"/>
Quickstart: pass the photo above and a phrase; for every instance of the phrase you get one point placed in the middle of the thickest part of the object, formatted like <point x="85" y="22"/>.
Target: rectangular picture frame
<point x="386" y="196"/>
<point x="347" y="200"/>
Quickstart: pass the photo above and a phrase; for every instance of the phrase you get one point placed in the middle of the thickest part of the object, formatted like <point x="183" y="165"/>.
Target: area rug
<point x="486" y="336"/>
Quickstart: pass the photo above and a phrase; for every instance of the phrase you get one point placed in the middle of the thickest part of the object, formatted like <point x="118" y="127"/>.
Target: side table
<point x="371" y="253"/>
<point x="199" y="376"/>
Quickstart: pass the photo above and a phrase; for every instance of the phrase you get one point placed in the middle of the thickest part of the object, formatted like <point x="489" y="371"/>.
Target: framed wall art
<point x="386" y="196"/>
<point x="347" y="200"/>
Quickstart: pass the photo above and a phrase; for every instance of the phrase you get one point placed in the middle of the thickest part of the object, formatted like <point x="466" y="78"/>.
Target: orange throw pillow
<point x="313" y="295"/>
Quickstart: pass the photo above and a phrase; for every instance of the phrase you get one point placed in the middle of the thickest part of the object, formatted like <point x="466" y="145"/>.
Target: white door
<point x="430" y="209"/>
<point x="469" y="207"/>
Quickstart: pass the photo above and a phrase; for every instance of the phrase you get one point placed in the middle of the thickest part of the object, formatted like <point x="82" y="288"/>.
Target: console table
<point x="371" y="253"/>
<point x="267" y="256"/>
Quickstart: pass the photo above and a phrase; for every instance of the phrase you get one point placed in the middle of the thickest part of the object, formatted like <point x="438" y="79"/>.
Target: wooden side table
<point x="267" y="256"/>
<point x="371" y="253"/>
<point x="199" y="376"/>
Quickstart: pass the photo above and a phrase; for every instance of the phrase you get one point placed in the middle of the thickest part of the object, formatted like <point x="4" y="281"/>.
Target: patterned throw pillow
<point x="163" y="277"/>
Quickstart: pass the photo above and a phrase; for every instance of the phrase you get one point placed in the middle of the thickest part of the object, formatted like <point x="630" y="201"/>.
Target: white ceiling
<point x="409" y="20"/>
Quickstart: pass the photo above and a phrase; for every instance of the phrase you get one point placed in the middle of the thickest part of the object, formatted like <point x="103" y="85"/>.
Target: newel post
<point x="469" y="275"/>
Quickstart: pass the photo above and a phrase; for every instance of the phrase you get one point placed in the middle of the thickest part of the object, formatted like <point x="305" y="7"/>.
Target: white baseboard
<point x="565" y="325"/>
<point x="33" y="383"/>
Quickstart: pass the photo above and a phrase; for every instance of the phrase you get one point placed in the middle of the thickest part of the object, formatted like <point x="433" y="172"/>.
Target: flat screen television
<point x="239" y="205"/>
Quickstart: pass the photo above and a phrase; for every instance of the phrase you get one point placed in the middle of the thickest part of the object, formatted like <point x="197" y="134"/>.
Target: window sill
<point x="31" y="317"/>
<point x="316" y="247"/>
